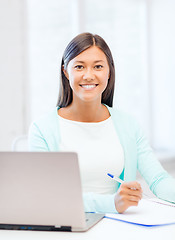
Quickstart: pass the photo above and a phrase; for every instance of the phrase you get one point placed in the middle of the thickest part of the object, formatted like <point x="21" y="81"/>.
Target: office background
<point x="140" y="33"/>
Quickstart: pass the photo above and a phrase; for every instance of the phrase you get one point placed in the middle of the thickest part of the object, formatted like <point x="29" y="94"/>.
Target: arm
<point x="129" y="194"/>
<point x="94" y="202"/>
<point x="159" y="181"/>
<point x="36" y="141"/>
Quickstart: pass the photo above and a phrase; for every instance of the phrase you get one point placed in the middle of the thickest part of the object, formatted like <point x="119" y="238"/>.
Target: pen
<point x="145" y="196"/>
<point x="115" y="178"/>
<point x="121" y="181"/>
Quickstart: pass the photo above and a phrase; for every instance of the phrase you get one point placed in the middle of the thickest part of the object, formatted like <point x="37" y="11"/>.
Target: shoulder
<point x="48" y="117"/>
<point x="44" y="133"/>
<point x="123" y="121"/>
<point x="121" y="116"/>
<point x="47" y="121"/>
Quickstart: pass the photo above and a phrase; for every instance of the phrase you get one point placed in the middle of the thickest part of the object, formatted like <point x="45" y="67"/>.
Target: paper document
<point x="148" y="213"/>
<point x="159" y="201"/>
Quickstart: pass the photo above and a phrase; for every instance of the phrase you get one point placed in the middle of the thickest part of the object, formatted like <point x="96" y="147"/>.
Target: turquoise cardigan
<point x="44" y="136"/>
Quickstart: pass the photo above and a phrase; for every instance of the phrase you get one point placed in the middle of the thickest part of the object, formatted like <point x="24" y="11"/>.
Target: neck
<point x="88" y="112"/>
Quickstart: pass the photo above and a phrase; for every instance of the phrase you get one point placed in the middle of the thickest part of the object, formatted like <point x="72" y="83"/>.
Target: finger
<point x="132" y="185"/>
<point x="127" y="195"/>
<point x="132" y="192"/>
<point x="131" y="201"/>
<point x="134" y="199"/>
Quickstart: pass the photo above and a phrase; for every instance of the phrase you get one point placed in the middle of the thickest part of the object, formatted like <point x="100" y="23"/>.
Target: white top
<point x="99" y="152"/>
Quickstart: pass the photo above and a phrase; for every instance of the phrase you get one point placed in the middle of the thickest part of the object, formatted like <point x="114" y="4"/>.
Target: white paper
<point x="148" y="212"/>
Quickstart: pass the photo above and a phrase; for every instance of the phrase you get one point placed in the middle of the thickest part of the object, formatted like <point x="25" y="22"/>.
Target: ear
<point x="65" y="72"/>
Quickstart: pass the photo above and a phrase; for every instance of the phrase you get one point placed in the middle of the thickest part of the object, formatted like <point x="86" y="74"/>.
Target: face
<point x="88" y="75"/>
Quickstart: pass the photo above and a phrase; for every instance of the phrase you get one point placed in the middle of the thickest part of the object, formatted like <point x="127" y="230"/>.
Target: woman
<point x="105" y="139"/>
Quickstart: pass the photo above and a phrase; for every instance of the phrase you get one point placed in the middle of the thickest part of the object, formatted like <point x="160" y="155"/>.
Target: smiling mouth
<point x="88" y="86"/>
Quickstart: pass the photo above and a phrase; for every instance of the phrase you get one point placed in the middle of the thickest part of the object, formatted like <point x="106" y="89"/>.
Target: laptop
<point x="42" y="191"/>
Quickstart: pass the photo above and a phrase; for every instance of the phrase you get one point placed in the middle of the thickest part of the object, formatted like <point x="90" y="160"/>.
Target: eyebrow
<point x="94" y="61"/>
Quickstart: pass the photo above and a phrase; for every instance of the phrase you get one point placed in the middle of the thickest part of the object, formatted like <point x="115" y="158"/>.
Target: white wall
<point x="12" y="65"/>
<point x="49" y="31"/>
<point x="162" y="29"/>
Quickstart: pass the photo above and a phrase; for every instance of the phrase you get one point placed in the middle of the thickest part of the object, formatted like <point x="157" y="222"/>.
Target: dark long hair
<point x="79" y="44"/>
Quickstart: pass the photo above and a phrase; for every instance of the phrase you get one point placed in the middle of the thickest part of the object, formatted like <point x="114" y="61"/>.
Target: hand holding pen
<point x="120" y="199"/>
<point x="129" y="194"/>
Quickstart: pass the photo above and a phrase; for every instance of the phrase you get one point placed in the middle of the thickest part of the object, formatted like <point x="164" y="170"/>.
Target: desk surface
<point x="104" y="230"/>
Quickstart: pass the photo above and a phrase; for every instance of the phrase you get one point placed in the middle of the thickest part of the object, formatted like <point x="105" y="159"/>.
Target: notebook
<point x="42" y="191"/>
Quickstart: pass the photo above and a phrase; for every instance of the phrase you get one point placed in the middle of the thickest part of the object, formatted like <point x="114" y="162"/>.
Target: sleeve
<point x="36" y="141"/>
<point x="100" y="203"/>
<point x="159" y="181"/>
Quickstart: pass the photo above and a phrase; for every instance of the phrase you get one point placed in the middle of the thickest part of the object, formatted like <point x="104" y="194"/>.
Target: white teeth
<point x="88" y="86"/>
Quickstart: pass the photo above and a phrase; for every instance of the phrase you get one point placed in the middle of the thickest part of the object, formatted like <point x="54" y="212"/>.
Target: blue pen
<point x="121" y="181"/>
<point x="115" y="178"/>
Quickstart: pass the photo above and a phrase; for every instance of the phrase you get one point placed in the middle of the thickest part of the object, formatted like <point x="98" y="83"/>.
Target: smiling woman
<point x="106" y="140"/>
<point x="88" y="75"/>
<point x="82" y="55"/>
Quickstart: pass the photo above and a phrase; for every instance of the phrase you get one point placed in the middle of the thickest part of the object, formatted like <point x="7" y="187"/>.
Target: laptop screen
<point x="41" y="188"/>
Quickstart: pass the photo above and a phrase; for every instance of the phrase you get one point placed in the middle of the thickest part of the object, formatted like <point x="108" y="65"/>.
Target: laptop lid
<point x="41" y="188"/>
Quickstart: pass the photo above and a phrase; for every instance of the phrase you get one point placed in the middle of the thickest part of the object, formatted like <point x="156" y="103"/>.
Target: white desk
<point x="104" y="230"/>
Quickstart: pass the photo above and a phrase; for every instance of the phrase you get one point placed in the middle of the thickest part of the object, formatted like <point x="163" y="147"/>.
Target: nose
<point x="88" y="75"/>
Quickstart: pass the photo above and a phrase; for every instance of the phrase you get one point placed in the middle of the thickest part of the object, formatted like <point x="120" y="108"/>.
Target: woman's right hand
<point x="129" y="194"/>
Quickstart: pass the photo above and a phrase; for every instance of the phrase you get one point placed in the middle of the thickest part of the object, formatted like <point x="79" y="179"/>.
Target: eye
<point x="79" y="67"/>
<point x="98" y="67"/>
